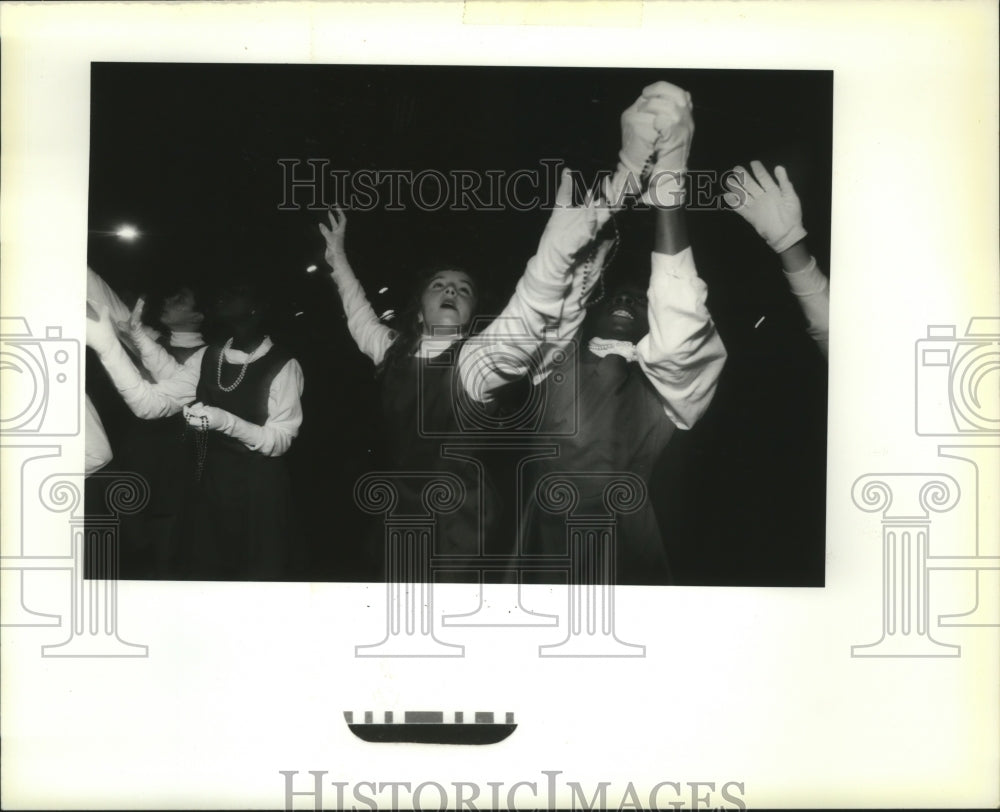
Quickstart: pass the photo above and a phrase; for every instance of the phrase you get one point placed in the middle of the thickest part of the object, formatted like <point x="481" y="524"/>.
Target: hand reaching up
<point x="334" y="235"/>
<point x="671" y="109"/>
<point x="773" y="209"/>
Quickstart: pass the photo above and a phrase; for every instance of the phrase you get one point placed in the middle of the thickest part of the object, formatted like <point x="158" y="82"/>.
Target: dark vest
<point x="248" y="400"/>
<point x="620" y="426"/>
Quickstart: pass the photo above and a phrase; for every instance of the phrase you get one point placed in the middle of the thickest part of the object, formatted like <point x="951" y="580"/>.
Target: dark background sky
<point x="189" y="153"/>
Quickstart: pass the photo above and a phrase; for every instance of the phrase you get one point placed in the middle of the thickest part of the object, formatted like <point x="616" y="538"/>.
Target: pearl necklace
<point x="602" y="347"/>
<point x="218" y="370"/>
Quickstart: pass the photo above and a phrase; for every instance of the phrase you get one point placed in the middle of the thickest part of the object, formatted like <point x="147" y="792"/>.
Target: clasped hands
<point x="657" y="130"/>
<point x="198" y="415"/>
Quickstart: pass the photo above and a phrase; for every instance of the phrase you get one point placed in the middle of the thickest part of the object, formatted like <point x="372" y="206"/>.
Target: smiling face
<point x="449" y="301"/>
<point x="624" y="315"/>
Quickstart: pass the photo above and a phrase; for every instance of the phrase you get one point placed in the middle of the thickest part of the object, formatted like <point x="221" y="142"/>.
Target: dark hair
<point x="407" y="324"/>
<point x="255" y="286"/>
<point x="158" y="296"/>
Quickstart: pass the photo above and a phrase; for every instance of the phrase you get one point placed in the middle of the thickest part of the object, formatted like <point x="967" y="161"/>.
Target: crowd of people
<point x="210" y="424"/>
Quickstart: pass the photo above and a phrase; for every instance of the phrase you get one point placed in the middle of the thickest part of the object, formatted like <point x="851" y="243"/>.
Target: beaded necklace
<point x="588" y="271"/>
<point x="200" y="444"/>
<point x="218" y="369"/>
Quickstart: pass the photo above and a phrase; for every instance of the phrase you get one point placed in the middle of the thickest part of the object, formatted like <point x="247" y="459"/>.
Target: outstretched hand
<point x="773" y="209"/>
<point x="334" y="235"/>
<point x="135" y="317"/>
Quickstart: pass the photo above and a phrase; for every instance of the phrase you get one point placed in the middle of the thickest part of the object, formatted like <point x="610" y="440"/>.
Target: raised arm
<point x="157" y="361"/>
<point x="774" y="210"/>
<point x="372" y="336"/>
<point x="146" y="400"/>
<point x="547" y="306"/>
<point x="682" y="355"/>
<point x="100" y="292"/>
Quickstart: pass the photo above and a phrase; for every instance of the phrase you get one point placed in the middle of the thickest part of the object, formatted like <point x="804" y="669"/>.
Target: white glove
<point x="135" y="325"/>
<point x="636" y="155"/>
<point x="569" y="228"/>
<point x="672" y="117"/>
<point x="773" y="209"/>
<point x="101" y="335"/>
<point x="217" y="419"/>
<point x="250" y="434"/>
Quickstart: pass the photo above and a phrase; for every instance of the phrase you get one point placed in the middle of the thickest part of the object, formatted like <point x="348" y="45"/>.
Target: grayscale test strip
<point x="431" y="727"/>
<point x="410" y="717"/>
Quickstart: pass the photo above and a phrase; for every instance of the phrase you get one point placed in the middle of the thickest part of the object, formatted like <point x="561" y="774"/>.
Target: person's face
<point x="449" y="301"/>
<point x="180" y="311"/>
<point x="235" y="304"/>
<point x="624" y="315"/>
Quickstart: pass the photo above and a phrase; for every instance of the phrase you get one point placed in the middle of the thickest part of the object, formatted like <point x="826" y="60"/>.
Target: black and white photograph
<point x="522" y="292"/>
<point x="485" y="404"/>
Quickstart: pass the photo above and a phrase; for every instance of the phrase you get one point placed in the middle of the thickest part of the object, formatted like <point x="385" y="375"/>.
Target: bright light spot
<point x="311" y="269"/>
<point x="127" y="232"/>
<point x="759" y="322"/>
<point x="388" y="314"/>
<point x="383" y="290"/>
<point x="300" y="313"/>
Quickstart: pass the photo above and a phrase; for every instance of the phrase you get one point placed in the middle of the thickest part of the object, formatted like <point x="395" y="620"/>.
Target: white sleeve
<point x="100" y="292"/>
<point x="97" y="450"/>
<point x="812" y="289"/>
<point x="372" y="336"/>
<point x="160" y="363"/>
<point x="152" y="400"/>
<point x="545" y="312"/>
<point x="682" y="355"/>
<point x="284" y="415"/>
